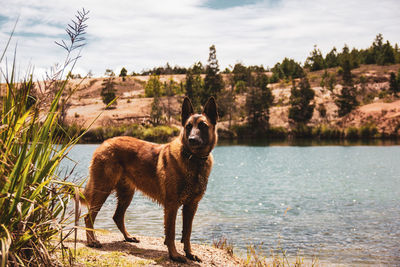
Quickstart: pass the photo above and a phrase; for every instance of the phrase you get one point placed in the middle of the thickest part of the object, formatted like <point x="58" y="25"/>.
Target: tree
<point x="241" y="73"/>
<point x="331" y="59"/>
<point x="396" y="51"/>
<point x="108" y="89"/>
<point x="288" y="69"/>
<point x="394" y="86"/>
<point x="194" y="85"/>
<point x="226" y="104"/>
<point x="347" y="99"/>
<point x="388" y="56"/>
<point x="171" y="88"/>
<point x="213" y="83"/>
<point x="156" y="110"/>
<point x="346" y="72"/>
<point x="258" y="101"/>
<point x="123" y="73"/>
<point x="301" y="106"/>
<point x="315" y="61"/>
<point x="153" y="86"/>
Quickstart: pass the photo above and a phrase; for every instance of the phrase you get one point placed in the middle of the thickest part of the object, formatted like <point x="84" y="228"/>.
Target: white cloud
<point x="144" y="34"/>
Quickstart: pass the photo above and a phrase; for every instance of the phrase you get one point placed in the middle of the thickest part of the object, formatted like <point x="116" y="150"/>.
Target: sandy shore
<point x="150" y="251"/>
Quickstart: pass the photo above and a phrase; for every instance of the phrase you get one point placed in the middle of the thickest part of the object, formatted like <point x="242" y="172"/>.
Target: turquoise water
<point x="340" y="203"/>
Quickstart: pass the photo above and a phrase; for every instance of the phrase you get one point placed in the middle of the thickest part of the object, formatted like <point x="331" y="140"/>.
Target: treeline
<point x="250" y="84"/>
<point x="253" y="83"/>
<point x="380" y="53"/>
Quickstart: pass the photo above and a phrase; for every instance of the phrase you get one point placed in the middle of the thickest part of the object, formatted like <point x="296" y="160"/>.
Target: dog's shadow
<point x="158" y="256"/>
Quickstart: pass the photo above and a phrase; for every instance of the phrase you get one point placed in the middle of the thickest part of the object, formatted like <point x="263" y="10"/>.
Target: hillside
<point x="372" y="81"/>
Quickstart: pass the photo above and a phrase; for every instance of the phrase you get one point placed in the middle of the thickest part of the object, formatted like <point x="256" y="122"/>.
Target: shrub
<point x="368" y="131"/>
<point x="161" y="133"/>
<point x="326" y="132"/>
<point x="33" y="198"/>
<point x="352" y="133"/>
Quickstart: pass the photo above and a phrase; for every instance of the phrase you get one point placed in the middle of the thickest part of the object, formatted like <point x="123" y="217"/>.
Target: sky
<point x="143" y="34"/>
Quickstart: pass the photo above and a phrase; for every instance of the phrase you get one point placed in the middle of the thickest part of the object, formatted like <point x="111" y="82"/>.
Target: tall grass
<point x="33" y="198"/>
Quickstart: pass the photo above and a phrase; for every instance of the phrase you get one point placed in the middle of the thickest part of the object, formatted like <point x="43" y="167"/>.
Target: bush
<point x="277" y="132"/>
<point x="352" y="133"/>
<point x="302" y="131"/>
<point x="161" y="133"/>
<point x="33" y="199"/>
<point x="245" y="131"/>
<point x="368" y="131"/>
<point x="326" y="132"/>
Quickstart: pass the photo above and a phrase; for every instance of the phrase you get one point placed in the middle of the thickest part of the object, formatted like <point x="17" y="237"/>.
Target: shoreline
<point x="151" y="251"/>
<point x="165" y="133"/>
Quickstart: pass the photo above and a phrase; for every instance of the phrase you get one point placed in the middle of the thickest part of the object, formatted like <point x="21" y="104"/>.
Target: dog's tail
<point x="80" y="196"/>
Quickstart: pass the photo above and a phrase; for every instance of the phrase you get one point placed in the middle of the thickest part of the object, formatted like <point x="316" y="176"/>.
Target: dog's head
<point x="199" y="130"/>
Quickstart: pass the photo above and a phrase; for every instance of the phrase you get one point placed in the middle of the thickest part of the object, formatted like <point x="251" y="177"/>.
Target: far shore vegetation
<point x="245" y="99"/>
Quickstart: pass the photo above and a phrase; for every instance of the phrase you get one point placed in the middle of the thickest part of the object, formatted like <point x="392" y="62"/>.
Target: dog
<point x="173" y="174"/>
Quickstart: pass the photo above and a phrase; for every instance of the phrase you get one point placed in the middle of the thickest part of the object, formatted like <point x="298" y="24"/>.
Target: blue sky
<point x="144" y="34"/>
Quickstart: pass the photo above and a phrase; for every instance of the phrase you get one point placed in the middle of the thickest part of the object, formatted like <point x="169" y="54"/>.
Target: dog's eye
<point x="202" y="125"/>
<point x="189" y="126"/>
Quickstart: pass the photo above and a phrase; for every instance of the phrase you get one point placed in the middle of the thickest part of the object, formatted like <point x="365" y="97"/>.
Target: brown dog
<point x="173" y="174"/>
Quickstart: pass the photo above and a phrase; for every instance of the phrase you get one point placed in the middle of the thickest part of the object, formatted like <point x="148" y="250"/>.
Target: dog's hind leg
<point x="95" y="202"/>
<point x="125" y="194"/>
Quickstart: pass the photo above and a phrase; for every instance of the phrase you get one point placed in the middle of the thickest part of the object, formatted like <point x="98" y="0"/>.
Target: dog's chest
<point x="193" y="186"/>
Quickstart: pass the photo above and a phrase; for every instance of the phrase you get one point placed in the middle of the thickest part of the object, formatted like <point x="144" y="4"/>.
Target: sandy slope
<point x="133" y="107"/>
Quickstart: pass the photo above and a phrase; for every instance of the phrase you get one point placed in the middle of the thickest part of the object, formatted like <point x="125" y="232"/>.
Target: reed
<point x="33" y="198"/>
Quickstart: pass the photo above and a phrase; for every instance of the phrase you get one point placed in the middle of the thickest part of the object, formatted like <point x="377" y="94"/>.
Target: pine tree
<point x="346" y="74"/>
<point x="123" y="73"/>
<point x="315" y="61"/>
<point x="213" y="83"/>
<point x="108" y="89"/>
<point x="394" y="86"/>
<point x="288" y="69"/>
<point x="153" y="87"/>
<point x="301" y="109"/>
<point x="331" y="59"/>
<point x="259" y="99"/>
<point x="347" y="99"/>
<point x="194" y="86"/>
<point x="377" y="49"/>
<point x="388" y="54"/>
<point x="170" y="88"/>
<point x="241" y="73"/>
<point x="156" y="110"/>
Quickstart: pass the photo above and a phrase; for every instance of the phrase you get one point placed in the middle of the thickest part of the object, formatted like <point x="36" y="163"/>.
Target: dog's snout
<point x="194" y="141"/>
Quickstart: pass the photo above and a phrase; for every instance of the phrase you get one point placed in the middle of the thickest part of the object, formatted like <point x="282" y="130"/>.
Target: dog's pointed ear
<point x="187" y="110"/>
<point x="210" y="110"/>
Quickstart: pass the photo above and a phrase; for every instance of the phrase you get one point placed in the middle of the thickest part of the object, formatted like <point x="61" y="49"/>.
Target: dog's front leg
<point x="188" y="213"/>
<point x="170" y="212"/>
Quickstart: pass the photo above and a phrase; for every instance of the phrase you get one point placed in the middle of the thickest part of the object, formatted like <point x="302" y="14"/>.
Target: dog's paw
<point x="178" y="258"/>
<point x="94" y="244"/>
<point x="132" y="239"/>
<point x="192" y="257"/>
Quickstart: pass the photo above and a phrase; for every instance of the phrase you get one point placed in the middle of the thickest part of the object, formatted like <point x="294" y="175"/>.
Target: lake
<point x="340" y="203"/>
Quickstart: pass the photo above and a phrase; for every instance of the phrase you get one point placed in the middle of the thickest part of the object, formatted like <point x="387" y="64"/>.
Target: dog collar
<point x="189" y="155"/>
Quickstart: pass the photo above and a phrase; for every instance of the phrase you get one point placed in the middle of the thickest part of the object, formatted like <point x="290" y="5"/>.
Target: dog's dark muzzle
<point x="194" y="141"/>
<point x="194" y="138"/>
